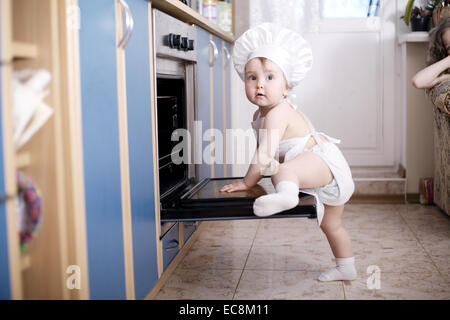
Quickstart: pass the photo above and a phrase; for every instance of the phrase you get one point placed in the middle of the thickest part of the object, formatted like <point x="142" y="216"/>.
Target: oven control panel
<point x="176" y="41"/>
<point x="174" y="38"/>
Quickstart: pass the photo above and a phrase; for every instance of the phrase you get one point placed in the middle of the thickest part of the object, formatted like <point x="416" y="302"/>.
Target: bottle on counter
<point x="224" y="16"/>
<point x="210" y="10"/>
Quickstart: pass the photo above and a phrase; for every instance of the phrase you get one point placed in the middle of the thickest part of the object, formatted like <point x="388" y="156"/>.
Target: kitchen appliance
<point x="182" y="196"/>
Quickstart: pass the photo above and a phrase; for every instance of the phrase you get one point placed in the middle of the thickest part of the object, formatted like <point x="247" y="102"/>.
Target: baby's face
<point x="265" y="84"/>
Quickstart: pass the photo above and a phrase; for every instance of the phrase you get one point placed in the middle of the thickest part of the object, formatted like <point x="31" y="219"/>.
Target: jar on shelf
<point x="224" y="16"/>
<point x="210" y="10"/>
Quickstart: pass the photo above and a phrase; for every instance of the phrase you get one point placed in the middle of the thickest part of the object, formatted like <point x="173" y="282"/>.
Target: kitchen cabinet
<point x="118" y="149"/>
<point x="101" y="150"/>
<point x="213" y="73"/>
<point x="5" y="288"/>
<point x="204" y="94"/>
<point x="141" y="154"/>
<point x="226" y="111"/>
<point x="170" y="245"/>
<point x="29" y="40"/>
<point x="95" y="159"/>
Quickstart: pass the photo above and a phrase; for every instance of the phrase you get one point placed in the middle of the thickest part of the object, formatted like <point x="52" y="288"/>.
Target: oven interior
<point x="171" y="108"/>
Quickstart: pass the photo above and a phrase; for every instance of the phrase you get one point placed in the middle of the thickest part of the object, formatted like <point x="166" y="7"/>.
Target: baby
<point x="271" y="61"/>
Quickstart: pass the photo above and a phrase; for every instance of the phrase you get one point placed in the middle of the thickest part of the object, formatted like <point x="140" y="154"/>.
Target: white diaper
<point x="330" y="190"/>
<point x="339" y="191"/>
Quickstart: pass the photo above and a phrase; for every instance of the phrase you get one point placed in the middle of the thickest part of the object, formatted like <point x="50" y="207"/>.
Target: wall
<point x="419" y="121"/>
<point x="417" y="156"/>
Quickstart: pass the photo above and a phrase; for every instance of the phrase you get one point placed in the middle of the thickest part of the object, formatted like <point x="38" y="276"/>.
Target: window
<point x="349" y="8"/>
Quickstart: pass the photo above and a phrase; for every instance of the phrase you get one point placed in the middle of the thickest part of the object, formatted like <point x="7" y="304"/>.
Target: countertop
<point x="179" y="10"/>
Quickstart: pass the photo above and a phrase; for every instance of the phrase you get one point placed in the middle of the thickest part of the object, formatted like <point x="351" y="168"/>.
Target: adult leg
<point x="340" y="244"/>
<point x="307" y="170"/>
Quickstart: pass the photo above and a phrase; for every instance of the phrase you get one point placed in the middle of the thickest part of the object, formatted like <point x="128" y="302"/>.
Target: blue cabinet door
<point x="101" y="159"/>
<point x="140" y="148"/>
<point x="5" y="285"/>
<point x="203" y="102"/>
<point x="218" y="111"/>
<point x="227" y="93"/>
<point x="211" y="116"/>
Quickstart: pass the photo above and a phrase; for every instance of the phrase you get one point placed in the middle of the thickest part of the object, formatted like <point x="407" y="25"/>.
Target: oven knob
<point x="184" y="43"/>
<point x="191" y="45"/>
<point x="170" y="39"/>
<point x="174" y="40"/>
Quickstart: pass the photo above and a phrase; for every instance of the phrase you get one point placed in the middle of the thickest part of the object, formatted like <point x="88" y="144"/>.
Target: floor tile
<point x="282" y="258"/>
<point x="286" y="285"/>
<point x="290" y="223"/>
<point x="227" y="235"/>
<point x="426" y="218"/>
<point x="200" y="284"/>
<point x="295" y="258"/>
<point x="234" y="224"/>
<point x="368" y="216"/>
<point x="399" y="237"/>
<point x="294" y="237"/>
<point x="442" y="263"/>
<point x="436" y="243"/>
<point x="399" y="259"/>
<point x="399" y="286"/>
<point x="202" y="257"/>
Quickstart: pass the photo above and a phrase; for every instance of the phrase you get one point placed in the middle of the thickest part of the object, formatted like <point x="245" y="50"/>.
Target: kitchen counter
<point x="184" y="13"/>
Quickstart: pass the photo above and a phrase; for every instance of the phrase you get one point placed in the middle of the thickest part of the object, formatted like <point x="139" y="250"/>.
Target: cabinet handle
<point x="215" y="54"/>
<point x="189" y="224"/>
<point x="174" y="245"/>
<point x="227" y="55"/>
<point x="129" y="24"/>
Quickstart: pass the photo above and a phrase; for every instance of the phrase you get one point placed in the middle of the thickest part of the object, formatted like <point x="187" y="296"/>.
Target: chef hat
<point x="284" y="47"/>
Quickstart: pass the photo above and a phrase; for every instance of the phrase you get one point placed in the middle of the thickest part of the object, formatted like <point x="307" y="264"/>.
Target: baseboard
<point x="413" y="197"/>
<point x="384" y="198"/>
<point x="377" y="199"/>
<point x="173" y="265"/>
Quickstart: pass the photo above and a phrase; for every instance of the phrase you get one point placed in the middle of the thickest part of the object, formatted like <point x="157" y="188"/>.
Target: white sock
<point x="285" y="198"/>
<point x="344" y="270"/>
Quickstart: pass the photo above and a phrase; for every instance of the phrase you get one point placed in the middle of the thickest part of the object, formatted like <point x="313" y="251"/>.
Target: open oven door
<point x="203" y="201"/>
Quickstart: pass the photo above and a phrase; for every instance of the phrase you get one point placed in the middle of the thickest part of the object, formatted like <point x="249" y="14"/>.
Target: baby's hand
<point x="237" y="185"/>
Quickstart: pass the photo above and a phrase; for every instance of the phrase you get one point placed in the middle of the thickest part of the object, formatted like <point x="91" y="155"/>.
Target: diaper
<point x="330" y="190"/>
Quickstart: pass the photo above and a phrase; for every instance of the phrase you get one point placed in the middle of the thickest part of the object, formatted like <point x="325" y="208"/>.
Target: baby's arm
<point x="431" y="75"/>
<point x="275" y="124"/>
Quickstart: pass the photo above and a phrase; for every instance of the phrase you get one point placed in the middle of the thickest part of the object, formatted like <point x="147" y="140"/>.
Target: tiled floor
<point x="282" y="258"/>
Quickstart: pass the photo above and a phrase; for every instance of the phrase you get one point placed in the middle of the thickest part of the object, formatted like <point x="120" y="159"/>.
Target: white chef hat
<point x="288" y="49"/>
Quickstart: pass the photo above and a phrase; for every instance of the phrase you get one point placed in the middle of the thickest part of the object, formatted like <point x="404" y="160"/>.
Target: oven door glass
<point x="204" y="201"/>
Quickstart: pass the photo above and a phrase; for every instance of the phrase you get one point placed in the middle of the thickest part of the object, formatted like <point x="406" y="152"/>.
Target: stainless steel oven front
<point x="175" y="57"/>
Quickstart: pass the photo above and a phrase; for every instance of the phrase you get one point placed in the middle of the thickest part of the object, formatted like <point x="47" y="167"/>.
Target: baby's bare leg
<point x="307" y="170"/>
<point x="340" y="244"/>
<point x="337" y="236"/>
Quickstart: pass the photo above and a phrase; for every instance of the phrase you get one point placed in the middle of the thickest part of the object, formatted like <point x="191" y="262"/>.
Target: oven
<point x="182" y="195"/>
